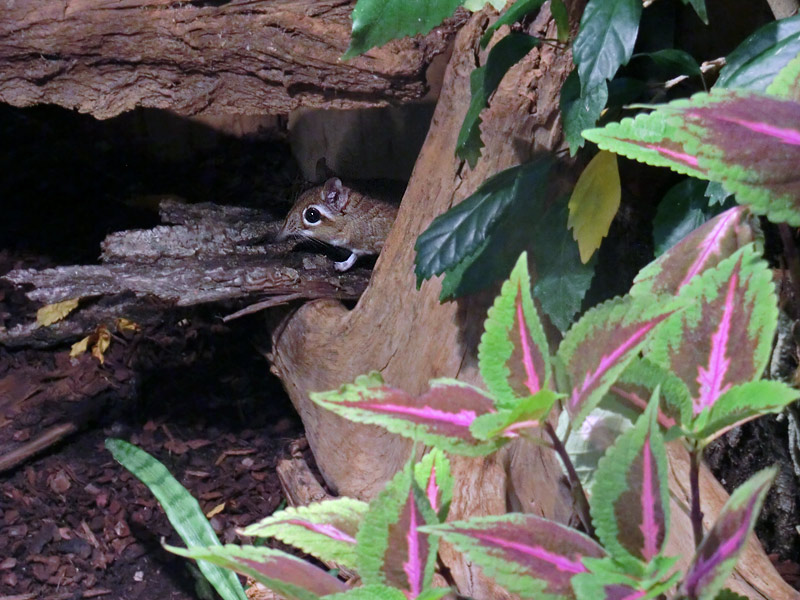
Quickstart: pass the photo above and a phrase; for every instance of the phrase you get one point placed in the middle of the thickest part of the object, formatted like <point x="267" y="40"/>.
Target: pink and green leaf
<point x="702" y="249"/>
<point x="724" y="336"/>
<point x="287" y="575"/>
<point x="743" y="403"/>
<point x="630" y="497"/>
<point x="597" y="348"/>
<point x="607" y="578"/>
<point x="434" y="477"/>
<point x="326" y="530"/>
<point x="651" y="138"/>
<point x="632" y="390"/>
<point x="508" y="424"/>
<point x="787" y="83"/>
<point x="440" y="417"/>
<point x="525" y="554"/>
<point x="513" y="355"/>
<point x="391" y="549"/>
<point x="370" y="592"/>
<point x="717" y="554"/>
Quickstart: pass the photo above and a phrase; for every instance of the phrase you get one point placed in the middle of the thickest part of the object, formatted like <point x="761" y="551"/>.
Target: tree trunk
<point x="410" y="337"/>
<point x="105" y="57"/>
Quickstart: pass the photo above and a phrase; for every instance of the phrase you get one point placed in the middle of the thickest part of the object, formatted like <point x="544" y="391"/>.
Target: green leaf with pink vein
<point x="434" y="477"/>
<point x="702" y="249"/>
<point x="717" y="554"/>
<point x="440" y="417"/>
<point x="289" y="576"/>
<point x="513" y="355"/>
<point x="630" y="497"/>
<point x="747" y="141"/>
<point x="525" y="554"/>
<point x="526" y="415"/>
<point x="597" y="348"/>
<point x="724" y="336"/>
<point x="326" y="530"/>
<point x="391" y="549"/>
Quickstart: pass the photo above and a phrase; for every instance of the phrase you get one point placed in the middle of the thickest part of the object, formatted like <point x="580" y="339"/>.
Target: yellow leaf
<point x="102" y="343"/>
<point x="53" y="313"/>
<point x="594" y="202"/>
<point x="79" y="348"/>
<point x="124" y="324"/>
<point x="216" y="510"/>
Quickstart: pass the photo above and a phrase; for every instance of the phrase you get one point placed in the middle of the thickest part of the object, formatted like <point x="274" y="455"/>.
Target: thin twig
<point x="578" y="493"/>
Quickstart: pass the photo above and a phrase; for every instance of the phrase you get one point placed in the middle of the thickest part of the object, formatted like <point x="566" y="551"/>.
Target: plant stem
<point x="695" y="456"/>
<point x="792" y="256"/>
<point x="578" y="493"/>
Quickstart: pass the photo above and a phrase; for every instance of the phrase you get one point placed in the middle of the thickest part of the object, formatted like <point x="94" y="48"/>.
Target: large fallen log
<point x="410" y="337"/>
<point x="105" y="57"/>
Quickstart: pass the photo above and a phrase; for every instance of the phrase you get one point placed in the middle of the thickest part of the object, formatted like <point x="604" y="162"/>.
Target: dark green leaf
<point x="462" y="230"/>
<point x="376" y="22"/>
<point x="699" y="7"/>
<point x="580" y="112"/>
<point x="716" y="193"/>
<point x="561" y="17"/>
<point x="516" y="11"/>
<point x="758" y="59"/>
<point x="561" y="278"/>
<point x="683" y="209"/>
<point x="483" y="82"/>
<point x="605" y="40"/>
<point x="673" y="62"/>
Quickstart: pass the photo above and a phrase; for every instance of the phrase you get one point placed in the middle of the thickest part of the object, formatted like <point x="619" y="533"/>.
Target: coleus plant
<point x="689" y="343"/>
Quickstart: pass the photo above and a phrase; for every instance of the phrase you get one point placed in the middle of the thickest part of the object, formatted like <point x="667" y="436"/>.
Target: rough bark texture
<point x="105" y="57"/>
<point x="410" y="337"/>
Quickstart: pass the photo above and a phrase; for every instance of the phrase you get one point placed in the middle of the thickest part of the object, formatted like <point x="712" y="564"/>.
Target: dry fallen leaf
<point x="53" y="313"/>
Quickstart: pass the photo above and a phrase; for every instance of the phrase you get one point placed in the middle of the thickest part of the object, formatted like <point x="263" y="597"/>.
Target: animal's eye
<point x="311" y="215"/>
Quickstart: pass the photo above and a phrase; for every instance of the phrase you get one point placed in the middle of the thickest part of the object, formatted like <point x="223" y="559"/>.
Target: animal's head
<point x="318" y="213"/>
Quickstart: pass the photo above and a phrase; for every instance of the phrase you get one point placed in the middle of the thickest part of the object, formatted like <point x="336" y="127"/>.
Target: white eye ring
<point x="312" y="215"/>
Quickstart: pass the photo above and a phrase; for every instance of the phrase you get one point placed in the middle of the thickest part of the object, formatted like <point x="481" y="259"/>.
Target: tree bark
<point x="105" y="57"/>
<point x="410" y="337"/>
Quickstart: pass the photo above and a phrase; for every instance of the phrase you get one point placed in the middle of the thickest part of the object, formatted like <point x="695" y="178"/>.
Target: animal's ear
<point x="335" y="195"/>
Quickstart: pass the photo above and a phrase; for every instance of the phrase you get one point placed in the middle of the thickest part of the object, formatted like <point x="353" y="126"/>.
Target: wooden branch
<point x="211" y="253"/>
<point x="105" y="57"/>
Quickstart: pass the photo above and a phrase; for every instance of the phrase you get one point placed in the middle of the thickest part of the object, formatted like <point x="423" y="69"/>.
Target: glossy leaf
<point x="673" y="62"/>
<point x="682" y="210"/>
<point x="433" y="476"/>
<point x="717" y="554"/>
<point x="287" y="575"/>
<point x="476" y="5"/>
<point x="630" y="497"/>
<point x="459" y="232"/>
<point x="376" y="22"/>
<point x="513" y="355"/>
<point x="515" y="12"/>
<point x="605" y="39"/>
<point x="183" y="511"/>
<point x="525" y="554"/>
<point x="724" y="336"/>
<point x="699" y="7"/>
<point x="326" y="530"/>
<point x="562" y="280"/>
<point x="580" y="112"/>
<point x="440" y="417"/>
<point x="787" y="83"/>
<point x="597" y="348"/>
<point x="703" y="249"/>
<point x="483" y="82"/>
<point x="594" y="203"/>
<point x="717" y="194"/>
<point x="757" y="60"/>
<point x="391" y="549"/>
